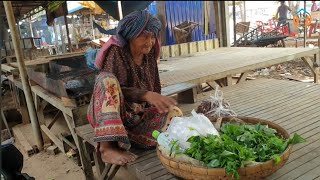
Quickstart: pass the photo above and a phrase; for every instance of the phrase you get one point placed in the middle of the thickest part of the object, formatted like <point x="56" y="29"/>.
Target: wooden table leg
<point x="98" y="163"/>
<point x="314" y="66"/>
<point x="85" y="159"/>
<point x="113" y="171"/>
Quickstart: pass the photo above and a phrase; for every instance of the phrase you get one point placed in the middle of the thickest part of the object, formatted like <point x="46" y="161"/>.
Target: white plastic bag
<point x="182" y="128"/>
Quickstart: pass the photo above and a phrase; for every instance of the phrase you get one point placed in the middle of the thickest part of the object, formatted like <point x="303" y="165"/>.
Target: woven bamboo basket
<point x="259" y="171"/>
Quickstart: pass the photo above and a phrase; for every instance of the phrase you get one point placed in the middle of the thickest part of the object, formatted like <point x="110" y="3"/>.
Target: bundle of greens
<point x="238" y="146"/>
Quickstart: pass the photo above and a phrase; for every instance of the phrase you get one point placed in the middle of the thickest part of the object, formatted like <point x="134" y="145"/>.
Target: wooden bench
<point x="147" y="166"/>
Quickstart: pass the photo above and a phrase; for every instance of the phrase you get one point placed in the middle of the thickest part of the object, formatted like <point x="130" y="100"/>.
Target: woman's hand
<point x="162" y="103"/>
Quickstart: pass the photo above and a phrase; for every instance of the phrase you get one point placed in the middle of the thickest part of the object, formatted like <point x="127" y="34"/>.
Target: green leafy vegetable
<point x="239" y="145"/>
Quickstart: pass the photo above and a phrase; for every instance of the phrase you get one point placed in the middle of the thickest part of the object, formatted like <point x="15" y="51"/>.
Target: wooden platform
<point x="293" y="105"/>
<point x="219" y="63"/>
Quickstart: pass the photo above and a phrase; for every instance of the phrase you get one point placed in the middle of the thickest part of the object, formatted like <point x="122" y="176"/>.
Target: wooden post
<point x="92" y="29"/>
<point x="23" y="74"/>
<point x="305" y="28"/>
<point x="225" y="23"/>
<point x="67" y="28"/>
<point x="161" y="15"/>
<point x="217" y="14"/>
<point x="30" y="26"/>
<point x="63" y="45"/>
<point x="74" y="32"/>
<point x="56" y="36"/>
<point x="234" y="24"/>
<point x="120" y="10"/>
<point x="244" y="11"/>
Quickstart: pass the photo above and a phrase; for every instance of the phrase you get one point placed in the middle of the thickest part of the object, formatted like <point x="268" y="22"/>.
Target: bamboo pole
<point x="234" y="24"/>
<point x="244" y="11"/>
<point x="120" y="10"/>
<point x="67" y="29"/>
<point x="63" y="44"/>
<point x="92" y="29"/>
<point x="305" y="28"/>
<point x="74" y="32"/>
<point x="56" y="42"/>
<point x="23" y="74"/>
<point x="30" y="26"/>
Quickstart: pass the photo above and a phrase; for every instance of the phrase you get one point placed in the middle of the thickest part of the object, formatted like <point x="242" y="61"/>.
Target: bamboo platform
<point x="294" y="106"/>
<point x="222" y="62"/>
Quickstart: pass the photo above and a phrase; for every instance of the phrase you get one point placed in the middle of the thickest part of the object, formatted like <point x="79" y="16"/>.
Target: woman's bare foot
<point x="112" y="154"/>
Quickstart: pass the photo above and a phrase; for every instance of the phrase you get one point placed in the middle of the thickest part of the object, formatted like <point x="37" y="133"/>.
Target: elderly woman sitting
<point x="126" y="104"/>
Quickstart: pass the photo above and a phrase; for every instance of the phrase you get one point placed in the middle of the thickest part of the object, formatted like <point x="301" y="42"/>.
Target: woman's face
<point x="144" y="42"/>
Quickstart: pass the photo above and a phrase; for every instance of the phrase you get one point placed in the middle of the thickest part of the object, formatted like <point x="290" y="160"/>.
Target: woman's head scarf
<point x="129" y="28"/>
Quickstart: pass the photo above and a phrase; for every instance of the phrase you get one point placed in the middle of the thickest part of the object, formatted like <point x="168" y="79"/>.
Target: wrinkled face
<point x="144" y="42"/>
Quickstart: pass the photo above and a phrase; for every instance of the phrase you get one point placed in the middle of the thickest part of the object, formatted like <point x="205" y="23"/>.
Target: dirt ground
<point x="43" y="166"/>
<point x="292" y="70"/>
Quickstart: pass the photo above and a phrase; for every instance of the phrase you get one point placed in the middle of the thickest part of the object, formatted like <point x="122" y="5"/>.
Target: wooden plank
<point x="212" y="84"/>
<point x="85" y="159"/>
<point x="229" y="80"/>
<point x="311" y="137"/>
<point x="165" y="52"/>
<point x="67" y="142"/>
<point x="174" y="50"/>
<point x="200" y="46"/>
<point x="309" y="63"/>
<point x="208" y="44"/>
<point x="311" y="174"/>
<point x="47" y="96"/>
<point x="53" y="138"/>
<point x="156" y="172"/>
<point x="251" y="101"/>
<point x="143" y="158"/>
<point x="192" y="47"/>
<point x="183" y="49"/>
<point x="215" y="43"/>
<point x="317" y="178"/>
<point x="8" y="69"/>
<point x="165" y="176"/>
<point x="71" y="126"/>
<point x="50" y="98"/>
<point x="98" y="163"/>
<point x="284" y="112"/>
<point x="148" y="166"/>
<point x="22" y="140"/>
<point x="176" y="88"/>
<point x="83" y="130"/>
<point x="262" y="97"/>
<point x="312" y="163"/>
<point x="261" y="94"/>
<point x="47" y="59"/>
<point x="272" y="102"/>
<point x="243" y="77"/>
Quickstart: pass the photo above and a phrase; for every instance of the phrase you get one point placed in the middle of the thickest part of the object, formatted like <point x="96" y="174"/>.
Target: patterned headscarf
<point x="129" y="28"/>
<point x="133" y="24"/>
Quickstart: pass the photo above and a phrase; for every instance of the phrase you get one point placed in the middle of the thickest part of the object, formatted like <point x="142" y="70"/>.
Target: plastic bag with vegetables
<point x="215" y="106"/>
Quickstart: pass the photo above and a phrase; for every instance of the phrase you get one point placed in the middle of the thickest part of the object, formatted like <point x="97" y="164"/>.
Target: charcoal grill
<point x="68" y="78"/>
